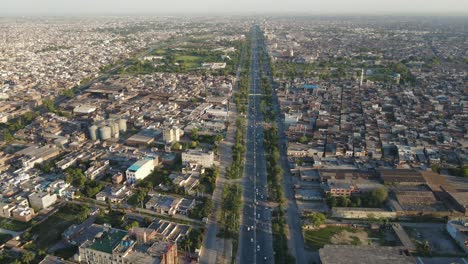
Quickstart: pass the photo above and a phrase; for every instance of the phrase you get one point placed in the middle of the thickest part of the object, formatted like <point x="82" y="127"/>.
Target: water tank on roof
<point x="105" y="132"/>
<point x="93" y="132"/>
<point x="122" y="125"/>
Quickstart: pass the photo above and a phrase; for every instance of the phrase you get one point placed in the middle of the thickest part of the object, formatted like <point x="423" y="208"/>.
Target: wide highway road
<point x="295" y="237"/>
<point x="255" y="238"/>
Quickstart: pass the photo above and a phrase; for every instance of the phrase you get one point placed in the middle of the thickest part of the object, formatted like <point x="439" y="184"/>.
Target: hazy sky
<point x="27" y="7"/>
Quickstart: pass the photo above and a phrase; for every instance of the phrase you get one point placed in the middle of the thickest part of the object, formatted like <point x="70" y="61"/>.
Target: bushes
<point x="202" y="209"/>
<point x="374" y="198"/>
<point x="230" y="210"/>
<point x="238" y="151"/>
<point x="208" y="179"/>
<point x="76" y="177"/>
<point x="193" y="241"/>
<point x="274" y="170"/>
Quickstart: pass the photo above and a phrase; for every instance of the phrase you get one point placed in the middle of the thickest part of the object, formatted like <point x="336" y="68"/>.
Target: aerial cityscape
<point x="283" y="136"/>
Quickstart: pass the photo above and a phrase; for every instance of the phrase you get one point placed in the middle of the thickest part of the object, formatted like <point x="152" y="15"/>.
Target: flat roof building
<point x="140" y="170"/>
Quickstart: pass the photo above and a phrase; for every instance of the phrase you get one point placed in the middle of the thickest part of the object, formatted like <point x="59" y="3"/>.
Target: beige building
<point x="24" y="214"/>
<point x="42" y="200"/>
<point x="172" y="134"/>
<point x="198" y="156"/>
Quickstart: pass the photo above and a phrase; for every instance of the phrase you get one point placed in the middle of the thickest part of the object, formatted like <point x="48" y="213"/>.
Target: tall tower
<point x="397" y="78"/>
<point x="362" y="77"/>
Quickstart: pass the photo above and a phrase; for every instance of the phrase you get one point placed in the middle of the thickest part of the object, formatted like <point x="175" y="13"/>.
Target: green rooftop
<point x="108" y="241"/>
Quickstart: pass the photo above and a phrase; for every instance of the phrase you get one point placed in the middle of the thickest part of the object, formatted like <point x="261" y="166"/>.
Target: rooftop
<point x="107" y="242"/>
<point x="137" y="165"/>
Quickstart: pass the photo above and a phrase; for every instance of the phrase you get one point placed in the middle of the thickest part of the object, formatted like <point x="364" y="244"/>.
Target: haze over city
<point x="224" y="132"/>
<point x="213" y="7"/>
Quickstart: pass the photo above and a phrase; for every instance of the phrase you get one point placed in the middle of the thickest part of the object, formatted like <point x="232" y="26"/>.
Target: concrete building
<point x="113" y="246"/>
<point x="42" y="200"/>
<point x="198" y="156"/>
<point x="172" y="134"/>
<point x="140" y="170"/>
<point x="6" y="210"/>
<point x="23" y="213"/>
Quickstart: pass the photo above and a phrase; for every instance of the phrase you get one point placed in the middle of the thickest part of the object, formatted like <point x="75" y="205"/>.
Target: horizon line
<point x="215" y="14"/>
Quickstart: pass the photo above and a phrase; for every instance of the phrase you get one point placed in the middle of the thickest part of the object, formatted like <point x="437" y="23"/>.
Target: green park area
<point x="47" y="233"/>
<point x="184" y="59"/>
<point x="12" y="224"/>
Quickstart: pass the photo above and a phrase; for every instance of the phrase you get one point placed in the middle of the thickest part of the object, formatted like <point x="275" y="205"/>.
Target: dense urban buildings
<point x="301" y="139"/>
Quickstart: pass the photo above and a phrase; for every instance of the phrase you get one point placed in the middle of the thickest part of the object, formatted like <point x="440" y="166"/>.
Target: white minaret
<point x="362" y="77"/>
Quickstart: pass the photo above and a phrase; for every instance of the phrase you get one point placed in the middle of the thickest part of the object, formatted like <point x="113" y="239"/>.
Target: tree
<point x="303" y="139"/>
<point x="27" y="257"/>
<point x="194" y="134"/>
<point x="356" y="201"/>
<point x="342" y="201"/>
<point x="176" y="146"/>
<point x="68" y="93"/>
<point x="331" y="200"/>
<point x="132" y="225"/>
<point x="7" y="136"/>
<point x="317" y="219"/>
<point x="218" y="138"/>
<point x="193" y="144"/>
<point x="49" y="105"/>
<point x="378" y="196"/>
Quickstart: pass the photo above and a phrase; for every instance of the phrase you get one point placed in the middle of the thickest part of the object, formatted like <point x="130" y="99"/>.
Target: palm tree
<point x="27" y="257"/>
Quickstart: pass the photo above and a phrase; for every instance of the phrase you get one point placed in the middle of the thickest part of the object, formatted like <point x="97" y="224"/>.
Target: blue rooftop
<point x="134" y="167"/>
<point x="310" y="86"/>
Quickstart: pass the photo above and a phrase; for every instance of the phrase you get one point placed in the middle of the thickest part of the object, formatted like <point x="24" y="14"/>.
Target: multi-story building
<point x="198" y="156"/>
<point x="112" y="246"/>
<point x="140" y="170"/>
<point x="172" y="134"/>
<point x="42" y="200"/>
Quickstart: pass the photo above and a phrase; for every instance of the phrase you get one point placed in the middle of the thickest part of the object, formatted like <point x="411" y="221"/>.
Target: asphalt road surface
<point x="255" y="241"/>
<point x="295" y="237"/>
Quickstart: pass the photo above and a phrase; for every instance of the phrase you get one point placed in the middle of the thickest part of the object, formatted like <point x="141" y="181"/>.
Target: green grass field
<point x="189" y="61"/>
<point x="12" y="224"/>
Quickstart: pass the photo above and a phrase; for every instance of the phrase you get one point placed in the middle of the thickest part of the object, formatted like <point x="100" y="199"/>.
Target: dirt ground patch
<point x="350" y="238"/>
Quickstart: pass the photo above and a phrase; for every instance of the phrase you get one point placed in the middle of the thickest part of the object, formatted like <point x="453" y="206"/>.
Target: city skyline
<point x="108" y="7"/>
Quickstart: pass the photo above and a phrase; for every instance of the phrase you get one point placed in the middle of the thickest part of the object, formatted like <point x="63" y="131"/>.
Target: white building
<point x="84" y="109"/>
<point x="42" y="200"/>
<point x="140" y="170"/>
<point x="198" y="156"/>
